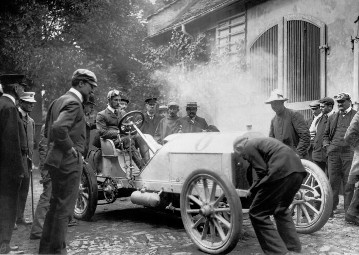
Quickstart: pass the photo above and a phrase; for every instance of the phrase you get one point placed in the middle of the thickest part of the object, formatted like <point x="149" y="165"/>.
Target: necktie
<point x="115" y="112"/>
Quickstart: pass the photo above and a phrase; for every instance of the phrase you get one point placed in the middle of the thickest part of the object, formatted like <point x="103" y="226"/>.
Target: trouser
<point x="339" y="163"/>
<point x="23" y="191"/>
<point x="144" y="149"/>
<point x="65" y="186"/>
<point x="41" y="209"/>
<point x="274" y="199"/>
<point x="322" y="165"/>
<point x="353" y="208"/>
<point x="9" y="192"/>
<point x="130" y="147"/>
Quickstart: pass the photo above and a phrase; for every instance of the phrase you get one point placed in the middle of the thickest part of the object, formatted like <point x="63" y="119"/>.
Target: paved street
<point x="124" y="228"/>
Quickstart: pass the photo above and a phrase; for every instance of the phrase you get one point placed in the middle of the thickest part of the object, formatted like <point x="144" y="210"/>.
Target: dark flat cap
<point x="84" y="74"/>
<point x="327" y="100"/>
<point x="8" y="79"/>
<point x="192" y="105"/>
<point x="314" y="104"/>
<point x="151" y="100"/>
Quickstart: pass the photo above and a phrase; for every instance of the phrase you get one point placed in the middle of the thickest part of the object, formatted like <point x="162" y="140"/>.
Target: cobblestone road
<point x="124" y="228"/>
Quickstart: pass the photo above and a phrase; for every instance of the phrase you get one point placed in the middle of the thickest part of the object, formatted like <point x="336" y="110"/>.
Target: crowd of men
<point x="328" y="138"/>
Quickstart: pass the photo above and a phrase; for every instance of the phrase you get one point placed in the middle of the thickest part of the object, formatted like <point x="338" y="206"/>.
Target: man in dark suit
<point x="65" y="130"/>
<point x="319" y="156"/>
<point x="107" y="122"/>
<point x="280" y="174"/>
<point x="13" y="151"/>
<point x="150" y="123"/>
<point x="340" y="154"/>
<point x="192" y="123"/>
<point x="288" y="126"/>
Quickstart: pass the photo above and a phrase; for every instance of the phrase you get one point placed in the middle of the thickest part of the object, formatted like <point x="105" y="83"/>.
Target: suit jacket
<point x="331" y="127"/>
<point x="64" y="128"/>
<point x="149" y="126"/>
<point x="12" y="141"/>
<point x="271" y="159"/>
<point x="290" y="128"/>
<point x="318" y="153"/>
<point x="187" y="126"/>
<point x="107" y="123"/>
<point x="352" y="138"/>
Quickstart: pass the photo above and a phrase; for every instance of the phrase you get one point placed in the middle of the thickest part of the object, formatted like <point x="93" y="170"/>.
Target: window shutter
<point x="264" y="59"/>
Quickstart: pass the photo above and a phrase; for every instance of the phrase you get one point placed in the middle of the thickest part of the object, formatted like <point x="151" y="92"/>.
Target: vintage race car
<point x="198" y="175"/>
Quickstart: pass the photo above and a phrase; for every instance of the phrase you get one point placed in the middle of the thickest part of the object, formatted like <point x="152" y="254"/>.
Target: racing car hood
<point x="207" y="142"/>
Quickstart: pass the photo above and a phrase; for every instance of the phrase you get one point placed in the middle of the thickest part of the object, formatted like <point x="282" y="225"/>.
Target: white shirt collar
<point x="347" y="110"/>
<point x="23" y="113"/>
<point x="111" y="109"/>
<point x="77" y="93"/>
<point x="11" y="97"/>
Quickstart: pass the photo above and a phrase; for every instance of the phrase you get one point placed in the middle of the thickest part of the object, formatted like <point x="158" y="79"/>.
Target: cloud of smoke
<point x="228" y="97"/>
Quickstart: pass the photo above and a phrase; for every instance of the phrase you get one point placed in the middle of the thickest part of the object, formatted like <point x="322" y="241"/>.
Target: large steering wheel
<point x="128" y="120"/>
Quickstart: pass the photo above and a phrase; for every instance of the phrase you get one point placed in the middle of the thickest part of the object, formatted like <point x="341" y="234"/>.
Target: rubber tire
<point x="327" y="196"/>
<point x="90" y="184"/>
<point x="228" y="187"/>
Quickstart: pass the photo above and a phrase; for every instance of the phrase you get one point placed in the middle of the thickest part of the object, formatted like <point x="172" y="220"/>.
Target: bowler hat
<point x="84" y="74"/>
<point x="28" y="97"/>
<point x="9" y="79"/>
<point x="327" y="100"/>
<point x="276" y="95"/>
<point x="342" y="96"/>
<point x="150" y="100"/>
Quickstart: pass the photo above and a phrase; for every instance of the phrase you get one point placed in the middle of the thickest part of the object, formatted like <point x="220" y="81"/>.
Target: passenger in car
<point x="167" y="125"/>
<point x="192" y="123"/>
<point x="280" y="175"/>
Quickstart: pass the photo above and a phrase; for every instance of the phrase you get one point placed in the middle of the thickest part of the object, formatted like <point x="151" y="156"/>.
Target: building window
<point x="230" y="34"/>
<point x="264" y="59"/>
<point x="288" y="56"/>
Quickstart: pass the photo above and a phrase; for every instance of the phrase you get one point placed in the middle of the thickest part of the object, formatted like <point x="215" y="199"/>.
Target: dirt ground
<point x="124" y="228"/>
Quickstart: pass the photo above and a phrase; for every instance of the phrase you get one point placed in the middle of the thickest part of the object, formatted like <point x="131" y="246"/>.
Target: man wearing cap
<point x="168" y="124"/>
<point x="319" y="155"/>
<point x="192" y="123"/>
<point x="163" y="110"/>
<point x="107" y="122"/>
<point x="280" y="174"/>
<point x="340" y="155"/>
<point x="150" y="123"/>
<point x="288" y="126"/>
<point x="65" y="130"/>
<point x="26" y="105"/>
<point x="312" y="123"/>
<point x="13" y="150"/>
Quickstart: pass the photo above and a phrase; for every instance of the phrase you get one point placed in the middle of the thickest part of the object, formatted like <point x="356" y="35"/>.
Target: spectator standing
<point x="65" y="130"/>
<point x="288" y="126"/>
<point x="280" y="174"/>
<point x="352" y="138"/>
<point x="13" y="150"/>
<point x="340" y="155"/>
<point x="124" y="103"/>
<point x="319" y="156"/>
<point x="313" y="123"/>
<point x="26" y="105"/>
<point x="163" y="110"/>
<point x="168" y="124"/>
<point x="192" y="123"/>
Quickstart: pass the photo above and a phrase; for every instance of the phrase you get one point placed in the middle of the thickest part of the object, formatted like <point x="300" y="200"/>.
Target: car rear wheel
<point x="86" y="202"/>
<point x="211" y="211"/>
<point x="313" y="203"/>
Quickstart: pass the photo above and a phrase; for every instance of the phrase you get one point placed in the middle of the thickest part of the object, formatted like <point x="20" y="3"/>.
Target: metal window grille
<point x="303" y="61"/>
<point x="264" y="60"/>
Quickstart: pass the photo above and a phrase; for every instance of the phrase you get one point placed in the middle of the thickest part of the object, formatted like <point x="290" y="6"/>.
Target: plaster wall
<point x="339" y="17"/>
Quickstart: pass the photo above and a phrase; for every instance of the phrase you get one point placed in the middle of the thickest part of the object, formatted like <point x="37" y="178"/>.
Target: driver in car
<point x="107" y="125"/>
<point x="279" y="177"/>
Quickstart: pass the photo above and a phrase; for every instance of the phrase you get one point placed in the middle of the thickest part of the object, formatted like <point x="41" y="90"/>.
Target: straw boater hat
<point x="276" y="95"/>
